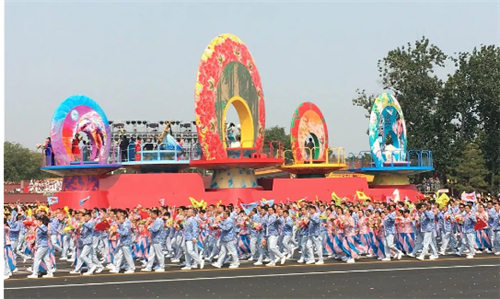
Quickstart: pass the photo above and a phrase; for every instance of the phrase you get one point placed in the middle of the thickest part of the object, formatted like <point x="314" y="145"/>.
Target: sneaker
<point x="216" y="265"/>
<point x="441" y="253"/>
<point x="48" y="275"/>
<point x="114" y="271"/>
<point x="469" y="256"/>
<point x="175" y="260"/>
<point x="15" y="270"/>
<point x="386" y="259"/>
<point x="458" y="254"/>
<point x="90" y="271"/>
<point x="433" y="257"/>
<point x="146" y="270"/>
<point x="234" y="266"/>
<point x="497" y="253"/>
<point x="267" y="260"/>
<point x="410" y="254"/>
<point x="320" y="262"/>
<point x="310" y="262"/>
<point x="258" y="263"/>
<point x="99" y="269"/>
<point x="400" y="254"/>
<point x="160" y="270"/>
<point x="129" y="271"/>
<point x="283" y="259"/>
<point x="110" y="266"/>
<point x="420" y="257"/>
<point x="250" y="259"/>
<point x="74" y="272"/>
<point x="350" y="261"/>
<point x="33" y="275"/>
<point x="202" y="263"/>
<point x="488" y="251"/>
<point x="370" y="255"/>
<point x="300" y="261"/>
<point x="271" y="264"/>
<point x="6" y="276"/>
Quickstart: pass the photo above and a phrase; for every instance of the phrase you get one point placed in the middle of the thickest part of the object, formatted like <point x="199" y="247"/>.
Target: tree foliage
<point x="445" y="115"/>
<point x="471" y="170"/>
<point x="21" y="163"/>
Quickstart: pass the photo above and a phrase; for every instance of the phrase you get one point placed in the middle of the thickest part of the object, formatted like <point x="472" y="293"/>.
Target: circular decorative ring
<point x="80" y="114"/>
<point x="227" y="75"/>
<point x="308" y="128"/>
<point x="387" y="130"/>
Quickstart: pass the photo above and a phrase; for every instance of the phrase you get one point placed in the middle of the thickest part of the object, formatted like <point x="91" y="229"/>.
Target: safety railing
<point x="333" y="155"/>
<point x="412" y="158"/>
<point x="156" y="152"/>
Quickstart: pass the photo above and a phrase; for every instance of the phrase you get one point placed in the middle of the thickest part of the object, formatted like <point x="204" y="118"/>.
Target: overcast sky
<point x="138" y="59"/>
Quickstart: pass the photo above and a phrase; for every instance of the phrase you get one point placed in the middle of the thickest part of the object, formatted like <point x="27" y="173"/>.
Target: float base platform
<point x="149" y="190"/>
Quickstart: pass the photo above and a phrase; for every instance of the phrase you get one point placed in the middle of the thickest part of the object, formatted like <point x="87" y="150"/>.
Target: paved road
<point x="445" y="277"/>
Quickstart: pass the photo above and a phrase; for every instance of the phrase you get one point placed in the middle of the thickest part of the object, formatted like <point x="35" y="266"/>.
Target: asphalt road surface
<point x="450" y="277"/>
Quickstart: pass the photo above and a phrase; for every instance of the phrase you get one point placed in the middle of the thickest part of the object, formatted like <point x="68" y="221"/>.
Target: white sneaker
<point x="114" y="271"/>
<point x="202" y="264"/>
<point x="433" y="257"/>
<point x="271" y="264"/>
<point x="175" y="260"/>
<point x="6" y="277"/>
<point x="283" y="259"/>
<point x="310" y="262"/>
<point x="320" y="262"/>
<point x="74" y="272"/>
<point x="410" y="254"/>
<point x="469" y="256"/>
<point x="216" y="265"/>
<point x="441" y="253"/>
<point x="300" y="261"/>
<point x="350" y="261"/>
<point x="258" y="263"/>
<point x="48" y="275"/>
<point x="90" y="271"/>
<point x="370" y="255"/>
<point x="420" y="257"/>
<point x="497" y="253"/>
<point x="186" y="268"/>
<point x="160" y="270"/>
<point x="234" y="266"/>
<point x="99" y="269"/>
<point x="386" y="259"/>
<point x="250" y="259"/>
<point x="146" y="270"/>
<point x="267" y="260"/>
<point x="33" y="276"/>
<point x="400" y="254"/>
<point x="110" y="266"/>
<point x="129" y="271"/>
<point x="15" y="270"/>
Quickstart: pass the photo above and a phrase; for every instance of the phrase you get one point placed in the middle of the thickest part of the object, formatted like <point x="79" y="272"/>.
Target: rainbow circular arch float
<point x="389" y="159"/>
<point x="79" y="115"/>
<point x="309" y="141"/>
<point x="227" y="75"/>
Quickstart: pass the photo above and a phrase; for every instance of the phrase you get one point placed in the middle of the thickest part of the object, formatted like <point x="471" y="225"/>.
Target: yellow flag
<point x="198" y="204"/>
<point x="338" y="200"/>
<point x="443" y="200"/>
<point x="362" y="196"/>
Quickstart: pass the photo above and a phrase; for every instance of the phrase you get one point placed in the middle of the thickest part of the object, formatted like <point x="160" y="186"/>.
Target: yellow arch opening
<point x="246" y="122"/>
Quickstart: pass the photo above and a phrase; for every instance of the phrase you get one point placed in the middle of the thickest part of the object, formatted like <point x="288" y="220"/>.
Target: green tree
<point x="473" y="94"/>
<point x="471" y="170"/>
<point x="21" y="163"/>
<point x="277" y="134"/>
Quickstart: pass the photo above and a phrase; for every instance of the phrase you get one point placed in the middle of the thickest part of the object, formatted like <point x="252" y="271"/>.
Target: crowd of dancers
<point x="116" y="240"/>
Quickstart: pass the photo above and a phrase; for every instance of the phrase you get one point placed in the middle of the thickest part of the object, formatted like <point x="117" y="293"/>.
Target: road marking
<point x="252" y="276"/>
<point x="335" y="263"/>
